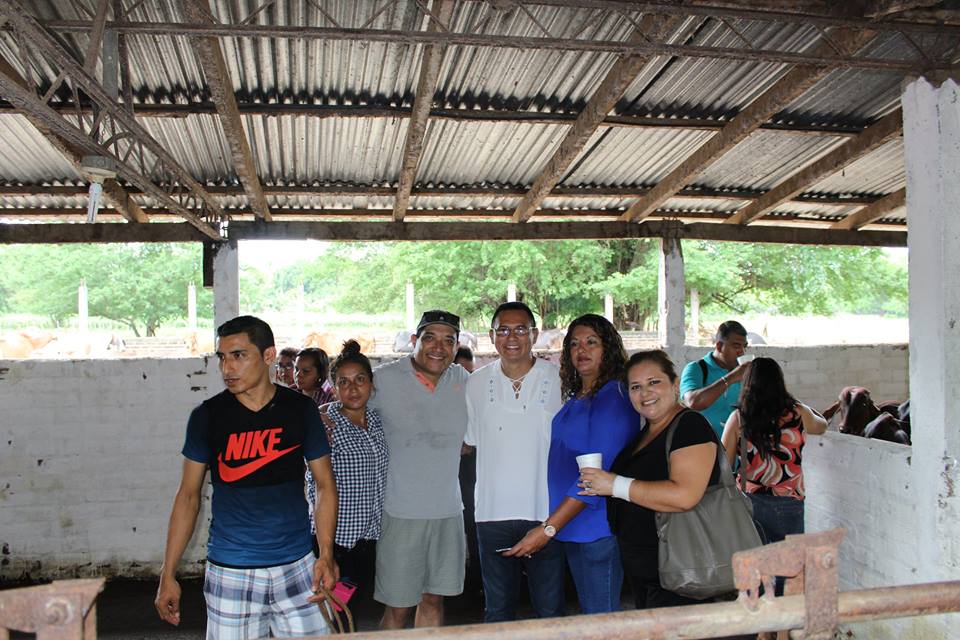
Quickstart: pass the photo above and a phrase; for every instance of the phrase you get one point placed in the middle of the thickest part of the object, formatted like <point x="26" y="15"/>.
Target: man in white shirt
<point x="510" y="407"/>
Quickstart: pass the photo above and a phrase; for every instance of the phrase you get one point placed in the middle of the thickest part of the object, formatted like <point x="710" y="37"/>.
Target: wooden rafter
<point x="422" y="103"/>
<point x="458" y="115"/>
<point x="611" y="88"/>
<point x="221" y="88"/>
<point x="873" y="136"/>
<point x="782" y="93"/>
<point x="474" y="191"/>
<point x="420" y="231"/>
<point x="115" y="195"/>
<point x="873" y="212"/>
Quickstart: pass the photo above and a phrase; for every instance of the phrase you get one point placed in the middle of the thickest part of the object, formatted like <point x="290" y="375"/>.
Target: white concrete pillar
<point x="608" y="307"/>
<point x="226" y="282"/>
<point x="931" y="118"/>
<point x="511" y="292"/>
<point x="83" y="316"/>
<point x="694" y="315"/>
<point x="411" y="308"/>
<point x="671" y="295"/>
<point x="192" y="306"/>
<point x="301" y="309"/>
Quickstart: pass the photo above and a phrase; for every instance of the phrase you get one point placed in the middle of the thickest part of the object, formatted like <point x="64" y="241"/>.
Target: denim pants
<point x="597" y="572"/>
<point x="502" y="576"/>
<point x="778" y="515"/>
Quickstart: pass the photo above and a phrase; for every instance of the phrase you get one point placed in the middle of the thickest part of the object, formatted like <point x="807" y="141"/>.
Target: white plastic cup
<point x="745" y="358"/>
<point x="591" y="460"/>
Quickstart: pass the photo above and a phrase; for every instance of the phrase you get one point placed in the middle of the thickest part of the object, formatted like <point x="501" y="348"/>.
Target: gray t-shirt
<point x="424" y="433"/>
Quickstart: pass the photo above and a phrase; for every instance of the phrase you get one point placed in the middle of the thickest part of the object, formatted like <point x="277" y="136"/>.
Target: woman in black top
<point x="640" y="481"/>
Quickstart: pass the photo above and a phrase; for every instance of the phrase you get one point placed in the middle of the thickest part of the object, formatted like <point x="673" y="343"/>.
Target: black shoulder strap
<point x="703" y="370"/>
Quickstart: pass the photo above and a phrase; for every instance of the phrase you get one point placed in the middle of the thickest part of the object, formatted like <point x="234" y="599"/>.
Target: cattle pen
<point x="815" y="123"/>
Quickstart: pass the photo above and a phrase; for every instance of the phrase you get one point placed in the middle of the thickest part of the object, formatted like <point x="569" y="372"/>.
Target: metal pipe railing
<point x="713" y="620"/>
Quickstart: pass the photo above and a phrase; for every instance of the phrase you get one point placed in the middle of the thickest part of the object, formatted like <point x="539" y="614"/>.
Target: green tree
<point x="140" y="285"/>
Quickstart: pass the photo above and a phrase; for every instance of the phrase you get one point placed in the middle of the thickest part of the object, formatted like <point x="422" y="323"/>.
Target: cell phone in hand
<point x="344" y="591"/>
<point x="502" y="550"/>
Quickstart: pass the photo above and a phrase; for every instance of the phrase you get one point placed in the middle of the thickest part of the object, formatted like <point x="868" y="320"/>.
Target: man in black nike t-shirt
<point x="261" y="577"/>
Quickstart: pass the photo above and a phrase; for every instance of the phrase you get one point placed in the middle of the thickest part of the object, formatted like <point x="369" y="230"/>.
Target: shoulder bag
<point x="696" y="547"/>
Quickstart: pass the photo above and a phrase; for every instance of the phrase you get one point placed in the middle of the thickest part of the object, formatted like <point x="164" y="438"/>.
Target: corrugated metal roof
<point x="304" y="150"/>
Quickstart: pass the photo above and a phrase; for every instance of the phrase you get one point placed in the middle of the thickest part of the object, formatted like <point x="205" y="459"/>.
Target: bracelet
<point x="726" y="385"/>
<point x="621" y="487"/>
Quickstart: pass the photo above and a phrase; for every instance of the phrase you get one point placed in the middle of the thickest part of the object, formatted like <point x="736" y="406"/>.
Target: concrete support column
<point x="695" y="314"/>
<point x="226" y="282"/>
<point x="608" y="307"/>
<point x="511" y="293"/>
<point x="83" y="314"/>
<point x="671" y="295"/>
<point x="931" y="118"/>
<point x="411" y="307"/>
<point x="192" y="306"/>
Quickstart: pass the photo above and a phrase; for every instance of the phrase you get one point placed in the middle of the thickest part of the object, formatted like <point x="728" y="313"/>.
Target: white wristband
<point x="621" y="487"/>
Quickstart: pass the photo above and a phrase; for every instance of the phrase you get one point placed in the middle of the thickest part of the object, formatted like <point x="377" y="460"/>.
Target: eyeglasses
<point x="283" y="367"/>
<point x="520" y="332"/>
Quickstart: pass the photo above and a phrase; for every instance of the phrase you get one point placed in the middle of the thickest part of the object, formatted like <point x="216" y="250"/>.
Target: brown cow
<point x="860" y="416"/>
<point x="20" y="344"/>
<point x="332" y="343"/>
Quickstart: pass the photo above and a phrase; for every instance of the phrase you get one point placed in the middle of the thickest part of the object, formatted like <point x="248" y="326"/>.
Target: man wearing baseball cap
<point x="421" y="400"/>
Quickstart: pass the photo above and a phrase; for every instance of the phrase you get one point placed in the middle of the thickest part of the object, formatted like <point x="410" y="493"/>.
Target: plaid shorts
<point x="243" y="604"/>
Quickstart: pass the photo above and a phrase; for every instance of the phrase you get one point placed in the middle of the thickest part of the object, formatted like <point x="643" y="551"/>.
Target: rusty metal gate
<point x="811" y="605"/>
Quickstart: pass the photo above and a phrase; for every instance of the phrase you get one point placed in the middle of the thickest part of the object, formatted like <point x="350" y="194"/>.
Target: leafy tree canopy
<point x="144" y="286"/>
<point x="140" y="285"/>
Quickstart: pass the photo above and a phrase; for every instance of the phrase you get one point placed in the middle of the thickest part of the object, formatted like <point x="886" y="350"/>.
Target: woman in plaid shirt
<point x="359" y="454"/>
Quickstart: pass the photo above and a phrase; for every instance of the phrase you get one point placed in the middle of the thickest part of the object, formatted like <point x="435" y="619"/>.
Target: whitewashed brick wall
<point x="89" y="451"/>
<point x="815" y="375"/>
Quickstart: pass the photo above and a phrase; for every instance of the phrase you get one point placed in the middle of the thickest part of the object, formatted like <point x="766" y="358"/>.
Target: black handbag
<point x="696" y="547"/>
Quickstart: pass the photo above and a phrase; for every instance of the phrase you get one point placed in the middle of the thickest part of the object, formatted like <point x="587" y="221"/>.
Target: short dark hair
<point x="658" y="356"/>
<point x="258" y="331"/>
<point x="513" y="306"/>
<point x="351" y="353"/>
<point x="464" y="353"/>
<point x="320" y="360"/>
<point x="728" y="327"/>
<point x="288" y="352"/>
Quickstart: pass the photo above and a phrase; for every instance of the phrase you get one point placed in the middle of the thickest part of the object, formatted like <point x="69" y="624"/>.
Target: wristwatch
<point x="549" y="530"/>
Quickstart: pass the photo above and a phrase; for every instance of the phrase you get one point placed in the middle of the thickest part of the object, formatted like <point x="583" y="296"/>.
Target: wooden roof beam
<point x="477" y="191"/>
<point x="777" y="97"/>
<point x="872" y="137"/>
<point x="873" y="212"/>
<point x="221" y="89"/>
<point x="115" y="195"/>
<point x="423" y="101"/>
<point x="419" y="231"/>
<point x="624" y="71"/>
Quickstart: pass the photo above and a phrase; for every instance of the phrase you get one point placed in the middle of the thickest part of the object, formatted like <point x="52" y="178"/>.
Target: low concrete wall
<point x="869" y="487"/>
<point x="815" y="375"/>
<point x="89" y="452"/>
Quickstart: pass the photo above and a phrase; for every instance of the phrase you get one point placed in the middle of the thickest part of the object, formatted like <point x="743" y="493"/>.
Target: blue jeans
<point x="597" y="572"/>
<point x="502" y="576"/>
<point x="778" y="515"/>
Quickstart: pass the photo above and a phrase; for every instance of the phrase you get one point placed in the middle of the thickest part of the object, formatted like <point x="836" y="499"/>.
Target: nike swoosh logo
<point x="232" y="474"/>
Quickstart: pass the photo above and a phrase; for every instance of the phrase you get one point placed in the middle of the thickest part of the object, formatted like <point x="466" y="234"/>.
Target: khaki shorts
<point x="419" y="556"/>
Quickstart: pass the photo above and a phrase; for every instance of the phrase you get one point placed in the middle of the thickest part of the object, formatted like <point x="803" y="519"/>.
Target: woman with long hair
<point x="642" y="480"/>
<point x="773" y="425"/>
<point x="359" y="457"/>
<point x="596" y="418"/>
<point x="310" y="375"/>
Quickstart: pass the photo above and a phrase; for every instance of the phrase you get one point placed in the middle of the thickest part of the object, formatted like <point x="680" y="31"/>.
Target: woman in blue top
<point x="596" y="418"/>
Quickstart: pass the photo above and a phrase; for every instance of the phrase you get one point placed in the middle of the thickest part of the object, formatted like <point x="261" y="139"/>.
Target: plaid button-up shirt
<point x="360" y="459"/>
